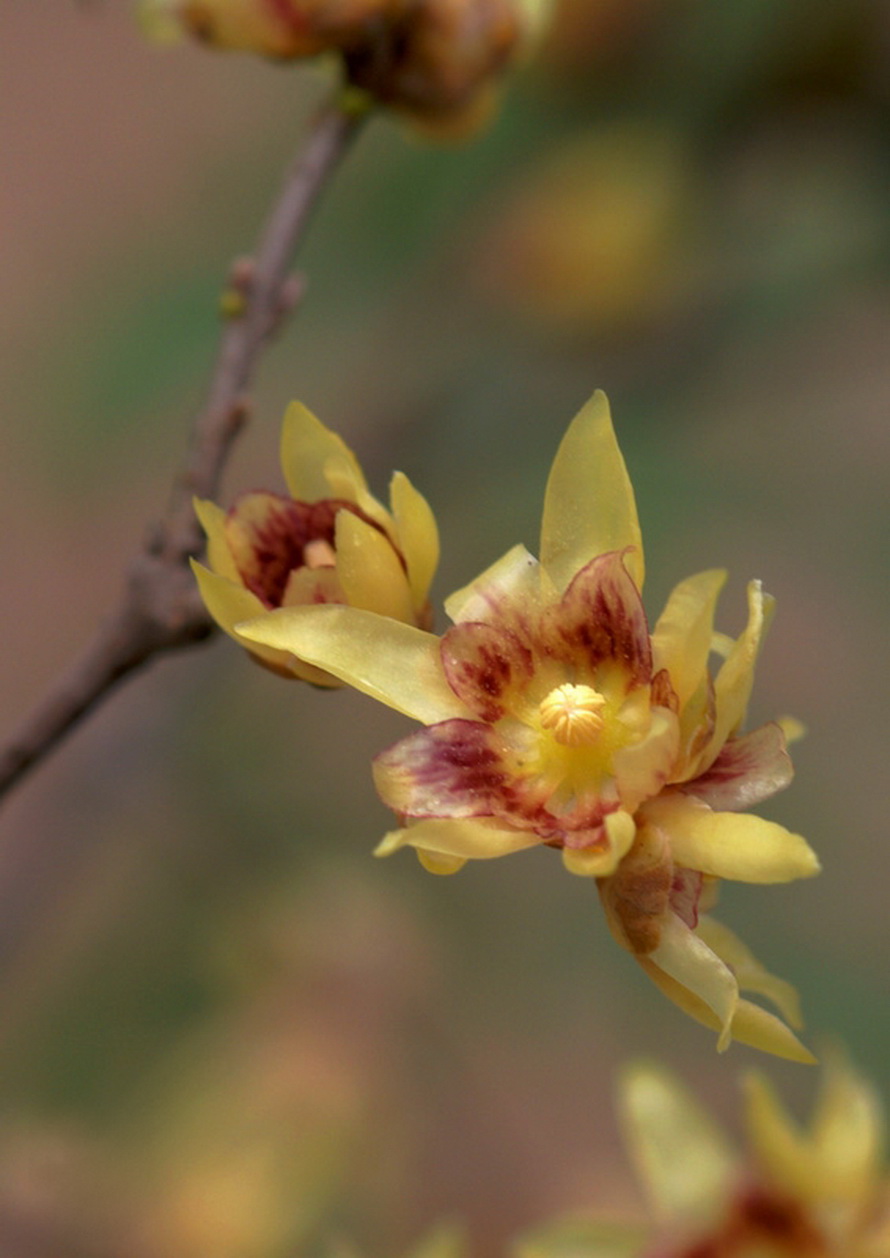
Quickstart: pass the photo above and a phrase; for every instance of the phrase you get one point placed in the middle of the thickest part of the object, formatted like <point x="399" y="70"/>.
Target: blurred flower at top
<point x="595" y="237"/>
<point x="331" y="541"/>
<point x="815" y="1192"/>
<point x="554" y="718"/>
<point x="436" y="60"/>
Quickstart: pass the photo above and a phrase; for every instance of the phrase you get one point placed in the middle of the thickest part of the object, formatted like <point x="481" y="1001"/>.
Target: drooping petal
<point x="750" y="1025"/>
<point x="752" y="976"/>
<point x="213" y="521"/>
<point x="748" y="770"/>
<point x="393" y="662"/>
<point x="636" y="896"/>
<point x="308" y="449"/>
<point x="418" y="535"/>
<point x="686" y="1164"/>
<point x="681" y="640"/>
<point x="740" y="846"/>
<point x="690" y="962"/>
<point x="489" y="668"/>
<point x="453" y="769"/>
<point x="472" y="838"/>
<point x="599" y="620"/>
<point x="589" y="505"/>
<point x="369" y="570"/>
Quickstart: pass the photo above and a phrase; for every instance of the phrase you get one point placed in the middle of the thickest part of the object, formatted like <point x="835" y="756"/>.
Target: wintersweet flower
<point x="554" y="718"/>
<point x="330" y="541"/>
<point x="815" y="1192"/>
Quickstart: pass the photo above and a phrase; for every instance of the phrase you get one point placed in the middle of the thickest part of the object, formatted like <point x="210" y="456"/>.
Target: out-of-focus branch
<point x="159" y="609"/>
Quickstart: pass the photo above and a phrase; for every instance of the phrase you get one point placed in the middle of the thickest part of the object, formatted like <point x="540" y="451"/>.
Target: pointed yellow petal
<point x="219" y="555"/>
<point x="751" y="975"/>
<point x="229" y="603"/>
<point x="750" y="1025"/>
<point x="472" y="838"/>
<point x="370" y="572"/>
<point x="589" y="505"/>
<point x="732" y="686"/>
<point x="386" y="659"/>
<point x="685" y="1162"/>
<point x="733" y="845"/>
<point x="691" y="963"/>
<point x="516" y="579"/>
<point x="307" y="450"/>
<point x="417" y="533"/>
<point x="681" y="641"/>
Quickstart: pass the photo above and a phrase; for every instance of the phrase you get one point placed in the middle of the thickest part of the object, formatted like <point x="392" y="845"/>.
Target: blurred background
<point x="226" y="1030"/>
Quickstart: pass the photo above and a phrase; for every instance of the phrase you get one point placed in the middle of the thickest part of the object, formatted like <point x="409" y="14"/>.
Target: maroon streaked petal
<point x="487" y="667"/>
<point x="662" y="694"/>
<point x="748" y="770"/>
<point x="457" y="768"/>
<point x="685" y="893"/>
<point x="601" y="619"/>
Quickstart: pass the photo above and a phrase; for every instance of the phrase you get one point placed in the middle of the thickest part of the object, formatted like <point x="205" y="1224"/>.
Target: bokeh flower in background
<point x="436" y="60"/>
<point x="554" y="718"/>
<point x="820" y="1191"/>
<point x="331" y="541"/>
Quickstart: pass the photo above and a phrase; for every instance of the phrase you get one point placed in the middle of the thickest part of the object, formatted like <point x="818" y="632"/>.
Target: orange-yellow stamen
<point x="572" y="714"/>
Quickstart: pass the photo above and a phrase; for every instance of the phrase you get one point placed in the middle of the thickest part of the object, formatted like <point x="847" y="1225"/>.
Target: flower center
<point x="572" y="714"/>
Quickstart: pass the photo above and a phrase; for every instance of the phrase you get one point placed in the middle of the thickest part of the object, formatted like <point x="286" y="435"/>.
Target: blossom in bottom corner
<point x="554" y="717"/>
<point x="820" y="1191"/>
<point x="327" y="541"/>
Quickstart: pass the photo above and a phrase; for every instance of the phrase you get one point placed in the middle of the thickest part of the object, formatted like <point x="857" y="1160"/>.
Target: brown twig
<point x="159" y="608"/>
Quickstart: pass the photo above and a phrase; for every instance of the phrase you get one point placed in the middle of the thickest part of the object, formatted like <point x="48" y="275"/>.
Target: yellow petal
<point x="472" y="838"/>
<point x="418" y="536"/>
<point x="751" y="975"/>
<point x="370" y="572"/>
<point x="691" y="963"/>
<point x="219" y="554"/>
<point x="681" y="641"/>
<point x="386" y="659"/>
<point x="732" y="685"/>
<point x="589" y="505"/>
<point x="621" y="831"/>
<point x="750" y="1025"/>
<point x="733" y="845"/>
<point x="308" y="452"/>
<point x="685" y="1162"/>
<point x="516" y="579"/>
<point x="229" y="603"/>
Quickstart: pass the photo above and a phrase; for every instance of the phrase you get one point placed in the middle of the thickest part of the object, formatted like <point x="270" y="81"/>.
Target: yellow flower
<point x="330" y="541"/>
<point x="554" y="718"/>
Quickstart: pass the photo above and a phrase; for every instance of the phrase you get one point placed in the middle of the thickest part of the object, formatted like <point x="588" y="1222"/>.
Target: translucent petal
<point x="451" y="769"/>
<point x="732" y="686"/>
<point x="681" y="640"/>
<point x="418" y="535"/>
<point x="229" y="603"/>
<point x="467" y="838"/>
<point x="511" y="585"/>
<point x="213" y="521"/>
<point x="686" y="1164"/>
<point x="751" y="975"/>
<point x="747" y="770"/>
<point x="600" y="619"/>
<point x="691" y="963"/>
<point x="386" y="659"/>
<point x="589" y="505"/>
<point x="307" y="448"/>
<point x="733" y="845"/>
<point x="369" y="570"/>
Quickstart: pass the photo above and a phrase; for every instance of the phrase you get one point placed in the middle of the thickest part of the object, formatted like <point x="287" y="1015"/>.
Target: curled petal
<point x="686" y="1164"/>
<point x="600" y="619"/>
<point x="740" y="846"/>
<point x="487" y="667"/>
<point x="589" y="469"/>
<point x="452" y="769"/>
<point x="369" y="570"/>
<point x="309" y="451"/>
<point x="616" y="836"/>
<point x="751" y="975"/>
<point x="681" y="640"/>
<point x="750" y="1024"/>
<point x="636" y="897"/>
<point x="417" y="533"/>
<point x="457" y="839"/>
<point x="384" y="658"/>
<point x="690" y="962"/>
<point x="747" y="770"/>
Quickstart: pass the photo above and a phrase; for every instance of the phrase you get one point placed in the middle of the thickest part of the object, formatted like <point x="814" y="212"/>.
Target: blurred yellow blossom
<point x="331" y="541"/>
<point x="554" y="718"/>
<point x="819" y="1192"/>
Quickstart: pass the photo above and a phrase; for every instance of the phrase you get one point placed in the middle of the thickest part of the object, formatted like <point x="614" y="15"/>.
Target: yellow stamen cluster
<point x="572" y="714"/>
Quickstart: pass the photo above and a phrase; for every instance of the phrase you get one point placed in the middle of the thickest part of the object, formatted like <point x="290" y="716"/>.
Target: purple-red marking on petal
<point x="600" y="618"/>
<point x="485" y="666"/>
<point x="747" y="770"/>
<point x="453" y="769"/>
<point x="686" y="885"/>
